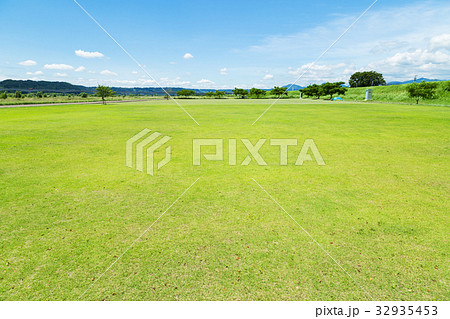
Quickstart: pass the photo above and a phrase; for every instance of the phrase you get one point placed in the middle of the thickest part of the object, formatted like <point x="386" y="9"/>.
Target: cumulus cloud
<point x="60" y="74"/>
<point x="35" y="73"/>
<point x="58" y="67"/>
<point x="314" y="67"/>
<point x="188" y="56"/>
<point x="319" y="73"/>
<point x="108" y="73"/>
<point x="89" y="55"/>
<point x="223" y="71"/>
<point x="80" y="69"/>
<point x="418" y="57"/>
<point x="440" y="42"/>
<point x="139" y="82"/>
<point x="173" y="82"/>
<point x="268" y="77"/>
<point x="28" y="63"/>
<point x="410" y="27"/>
<point x="205" y="81"/>
<point x="421" y="62"/>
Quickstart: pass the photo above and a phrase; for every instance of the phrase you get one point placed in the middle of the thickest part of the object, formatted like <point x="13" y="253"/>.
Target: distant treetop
<point x="368" y="78"/>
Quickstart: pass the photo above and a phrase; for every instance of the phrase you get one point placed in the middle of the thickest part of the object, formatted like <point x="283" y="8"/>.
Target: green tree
<point x="39" y="94"/>
<point x="444" y="87"/>
<point x="3" y="95"/>
<point x="104" y="92"/>
<point x="219" y="94"/>
<point x="83" y="95"/>
<point x="333" y="88"/>
<point x="313" y="90"/>
<point x="18" y="94"/>
<point x="278" y="91"/>
<point x="368" y="78"/>
<point x="209" y="94"/>
<point x="423" y="90"/>
<point x="241" y="93"/>
<point x="185" y="93"/>
<point x="257" y="92"/>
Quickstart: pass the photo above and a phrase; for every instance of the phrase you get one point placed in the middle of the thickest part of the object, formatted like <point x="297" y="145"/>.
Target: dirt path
<point x="63" y="103"/>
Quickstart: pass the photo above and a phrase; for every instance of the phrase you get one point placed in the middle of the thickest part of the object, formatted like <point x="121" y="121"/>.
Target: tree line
<point x="238" y="92"/>
<point x="416" y="91"/>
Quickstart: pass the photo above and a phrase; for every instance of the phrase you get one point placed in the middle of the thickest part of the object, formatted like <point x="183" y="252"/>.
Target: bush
<point x="444" y="87"/>
<point x="3" y="95"/>
<point x="84" y="95"/>
<point x="18" y="94"/>
<point x="423" y="90"/>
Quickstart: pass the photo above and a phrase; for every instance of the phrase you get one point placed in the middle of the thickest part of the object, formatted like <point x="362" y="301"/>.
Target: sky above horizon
<point x="226" y="44"/>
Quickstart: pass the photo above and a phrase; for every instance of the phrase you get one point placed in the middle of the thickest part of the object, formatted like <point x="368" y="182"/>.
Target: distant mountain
<point x="412" y="81"/>
<point x="293" y="87"/>
<point x="44" y="86"/>
<point x="29" y="86"/>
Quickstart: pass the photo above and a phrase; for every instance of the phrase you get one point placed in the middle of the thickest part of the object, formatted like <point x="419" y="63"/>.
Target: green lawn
<point x="69" y="206"/>
<point x="64" y="99"/>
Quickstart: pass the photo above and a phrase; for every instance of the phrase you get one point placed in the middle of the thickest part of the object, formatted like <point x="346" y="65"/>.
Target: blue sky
<point x="221" y="44"/>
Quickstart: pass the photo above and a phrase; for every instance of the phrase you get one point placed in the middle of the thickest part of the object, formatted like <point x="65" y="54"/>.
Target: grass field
<point x="70" y="207"/>
<point x="62" y="99"/>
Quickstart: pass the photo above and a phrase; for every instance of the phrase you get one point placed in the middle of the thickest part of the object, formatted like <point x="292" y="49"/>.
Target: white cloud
<point x="172" y="63"/>
<point x="35" y="73"/>
<point x="420" y="62"/>
<point x="311" y="68"/>
<point x="205" y="81"/>
<point x="89" y="55"/>
<point x="108" y="73"/>
<point x="410" y="27"/>
<point x="80" y="69"/>
<point x="418" y="57"/>
<point x="268" y="77"/>
<point x="259" y="86"/>
<point x="173" y="82"/>
<point x="28" y="63"/>
<point x="440" y="42"/>
<point x="142" y="82"/>
<point x="134" y="72"/>
<point x="319" y="73"/>
<point x="60" y="74"/>
<point x="188" y="56"/>
<point x="58" y="67"/>
<point x="223" y="71"/>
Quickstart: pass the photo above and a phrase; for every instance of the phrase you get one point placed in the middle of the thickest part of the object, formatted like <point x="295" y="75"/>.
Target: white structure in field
<point x="369" y="94"/>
